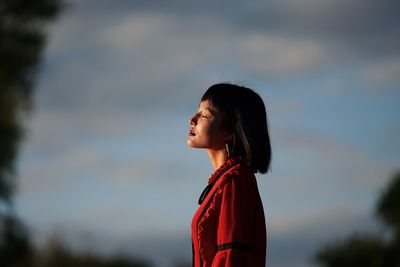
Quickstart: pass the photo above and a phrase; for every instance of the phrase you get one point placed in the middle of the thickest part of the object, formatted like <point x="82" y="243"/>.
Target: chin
<point x="191" y="144"/>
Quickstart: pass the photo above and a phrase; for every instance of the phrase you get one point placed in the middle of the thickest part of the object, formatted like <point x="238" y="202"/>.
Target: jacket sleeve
<point x="236" y="226"/>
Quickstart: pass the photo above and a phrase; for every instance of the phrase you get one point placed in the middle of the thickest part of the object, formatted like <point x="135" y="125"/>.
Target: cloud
<point x="308" y="165"/>
<point x="139" y="56"/>
<point x="361" y="29"/>
<point x="382" y="75"/>
<point x="351" y="164"/>
<point x="137" y="62"/>
<point x="136" y="31"/>
<point x="281" y="56"/>
<point x="61" y="167"/>
<point x="359" y="26"/>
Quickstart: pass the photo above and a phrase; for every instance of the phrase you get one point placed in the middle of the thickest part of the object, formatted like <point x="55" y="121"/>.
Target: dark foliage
<point x="368" y="250"/>
<point x="357" y="251"/>
<point x="388" y="207"/>
<point x="55" y="254"/>
<point x="22" y="38"/>
<point x="15" y="248"/>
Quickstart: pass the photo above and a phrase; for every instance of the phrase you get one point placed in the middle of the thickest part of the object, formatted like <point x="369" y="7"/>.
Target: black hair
<point x="244" y="115"/>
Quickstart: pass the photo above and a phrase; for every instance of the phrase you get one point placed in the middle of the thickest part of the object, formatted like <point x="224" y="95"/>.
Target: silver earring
<point x="227" y="149"/>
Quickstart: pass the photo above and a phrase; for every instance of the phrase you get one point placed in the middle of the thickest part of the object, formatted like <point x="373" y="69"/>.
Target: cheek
<point x="215" y="133"/>
<point x="212" y="129"/>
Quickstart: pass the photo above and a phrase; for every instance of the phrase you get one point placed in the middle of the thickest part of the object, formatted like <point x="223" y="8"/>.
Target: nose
<point x="192" y="120"/>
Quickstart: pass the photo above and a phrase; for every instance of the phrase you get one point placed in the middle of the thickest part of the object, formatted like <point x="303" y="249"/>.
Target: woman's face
<point x="206" y="129"/>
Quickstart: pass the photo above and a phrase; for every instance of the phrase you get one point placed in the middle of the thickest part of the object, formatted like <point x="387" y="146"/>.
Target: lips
<point x="191" y="132"/>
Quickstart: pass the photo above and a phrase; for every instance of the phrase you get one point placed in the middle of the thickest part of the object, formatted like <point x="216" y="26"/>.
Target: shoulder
<point x="239" y="178"/>
<point x="238" y="193"/>
<point x="240" y="172"/>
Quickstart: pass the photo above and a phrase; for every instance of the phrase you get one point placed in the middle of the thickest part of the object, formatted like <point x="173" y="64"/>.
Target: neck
<point x="217" y="157"/>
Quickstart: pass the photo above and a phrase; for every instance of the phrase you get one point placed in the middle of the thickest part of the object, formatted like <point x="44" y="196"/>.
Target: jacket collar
<point x="224" y="167"/>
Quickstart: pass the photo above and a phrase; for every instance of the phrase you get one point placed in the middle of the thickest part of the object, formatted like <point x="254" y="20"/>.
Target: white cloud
<point x="281" y="56"/>
<point x="139" y="61"/>
<point x="64" y="167"/>
<point x="314" y="175"/>
<point x="136" y="31"/>
<point x="350" y="165"/>
<point x="382" y="75"/>
<point x="306" y="7"/>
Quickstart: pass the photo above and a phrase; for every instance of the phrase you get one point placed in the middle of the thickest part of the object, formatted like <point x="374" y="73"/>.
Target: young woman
<point x="228" y="229"/>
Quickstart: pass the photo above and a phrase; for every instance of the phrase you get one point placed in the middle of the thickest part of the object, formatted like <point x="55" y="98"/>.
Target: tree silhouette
<point x="357" y="251"/>
<point x="388" y="207"/>
<point x="15" y="249"/>
<point x="369" y="250"/>
<point x="56" y="254"/>
<point x="22" y="38"/>
<point x="21" y="42"/>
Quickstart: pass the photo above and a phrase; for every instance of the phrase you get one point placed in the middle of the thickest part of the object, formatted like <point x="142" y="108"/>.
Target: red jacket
<point x="228" y="229"/>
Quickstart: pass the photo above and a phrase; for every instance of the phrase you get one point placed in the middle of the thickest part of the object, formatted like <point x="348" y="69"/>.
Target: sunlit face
<point x="206" y="129"/>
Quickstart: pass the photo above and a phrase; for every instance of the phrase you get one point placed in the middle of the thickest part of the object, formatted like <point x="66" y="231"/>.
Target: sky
<point x="105" y="165"/>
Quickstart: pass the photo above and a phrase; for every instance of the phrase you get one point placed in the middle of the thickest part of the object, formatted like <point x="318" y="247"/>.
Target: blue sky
<point x="105" y="164"/>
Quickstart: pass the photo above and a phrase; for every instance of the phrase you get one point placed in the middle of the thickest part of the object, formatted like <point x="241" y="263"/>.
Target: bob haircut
<point x="244" y="116"/>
